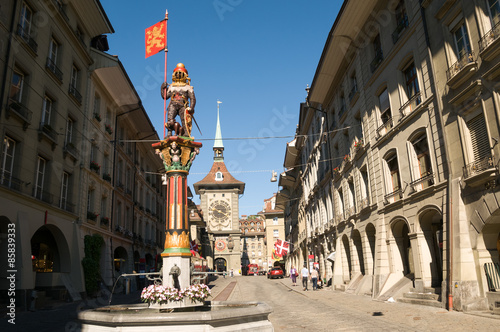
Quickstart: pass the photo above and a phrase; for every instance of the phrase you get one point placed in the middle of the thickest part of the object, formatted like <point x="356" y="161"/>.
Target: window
<point x="401" y="21"/>
<point x="462" y="44"/>
<point x="97" y="105"/>
<point x="340" y="196"/>
<point x="40" y="177"/>
<point x="25" y="21"/>
<point x="16" y="87"/>
<point x="494" y="10"/>
<point x="276" y="233"/>
<point x="391" y="178"/>
<point x="68" y="140"/>
<point x="351" y="197"/>
<point x="218" y="176"/>
<point x="63" y="203"/>
<point x="47" y="110"/>
<point x="479" y="141"/>
<point x="385" y="107"/>
<point x="354" y="86"/>
<point x="420" y="162"/>
<point x="363" y="187"/>
<point x="104" y="206"/>
<point x="73" y="84"/>
<point x="411" y="81"/>
<point x="8" y="153"/>
<point x="53" y="50"/>
<point x="378" y="55"/>
<point x="90" y="200"/>
<point x="275" y="221"/>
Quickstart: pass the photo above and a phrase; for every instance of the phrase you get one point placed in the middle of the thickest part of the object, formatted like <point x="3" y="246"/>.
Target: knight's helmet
<point x="180" y="75"/>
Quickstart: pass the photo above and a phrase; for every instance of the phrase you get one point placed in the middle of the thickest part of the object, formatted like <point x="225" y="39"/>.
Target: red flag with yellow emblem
<point x="156" y="38"/>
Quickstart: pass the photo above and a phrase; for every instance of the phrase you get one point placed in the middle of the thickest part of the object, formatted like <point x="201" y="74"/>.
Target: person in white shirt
<point x="305" y="275"/>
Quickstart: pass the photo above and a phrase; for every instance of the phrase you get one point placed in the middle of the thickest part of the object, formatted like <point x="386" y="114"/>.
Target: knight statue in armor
<point x="182" y="102"/>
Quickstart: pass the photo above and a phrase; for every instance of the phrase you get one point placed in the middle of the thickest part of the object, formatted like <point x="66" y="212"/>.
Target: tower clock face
<point x="219" y="211"/>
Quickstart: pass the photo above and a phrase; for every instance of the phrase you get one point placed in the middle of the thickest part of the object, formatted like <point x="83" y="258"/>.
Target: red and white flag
<point x="281" y="247"/>
<point x="156" y="38"/>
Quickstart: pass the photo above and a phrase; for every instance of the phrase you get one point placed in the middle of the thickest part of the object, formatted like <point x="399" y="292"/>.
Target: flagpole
<point x="165" y="75"/>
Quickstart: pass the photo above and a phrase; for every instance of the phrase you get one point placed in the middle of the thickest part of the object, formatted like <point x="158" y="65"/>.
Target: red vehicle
<point x="276" y="272"/>
<point x="253" y="269"/>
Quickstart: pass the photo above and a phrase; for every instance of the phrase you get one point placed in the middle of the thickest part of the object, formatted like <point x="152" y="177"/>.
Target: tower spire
<point x="218" y="146"/>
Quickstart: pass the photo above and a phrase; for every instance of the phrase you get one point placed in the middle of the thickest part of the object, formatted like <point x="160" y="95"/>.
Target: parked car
<point x="262" y="272"/>
<point x="276" y="272"/>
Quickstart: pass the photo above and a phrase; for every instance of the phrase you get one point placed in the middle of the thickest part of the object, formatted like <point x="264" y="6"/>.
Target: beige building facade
<point x="70" y="120"/>
<point x="391" y="181"/>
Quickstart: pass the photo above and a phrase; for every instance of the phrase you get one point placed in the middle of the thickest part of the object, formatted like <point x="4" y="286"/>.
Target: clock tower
<point x="219" y="193"/>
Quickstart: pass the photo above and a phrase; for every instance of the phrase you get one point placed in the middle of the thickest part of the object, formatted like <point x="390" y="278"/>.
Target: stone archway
<point x="346" y="259"/>
<point x="431" y="251"/>
<point x="50" y="255"/>
<point x="220" y="264"/>
<point x="404" y="261"/>
<point x="358" y="246"/>
<point x="120" y="257"/>
<point x="371" y="237"/>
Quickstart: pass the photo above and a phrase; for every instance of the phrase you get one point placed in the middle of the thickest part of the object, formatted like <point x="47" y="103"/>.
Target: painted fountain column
<point x="178" y="152"/>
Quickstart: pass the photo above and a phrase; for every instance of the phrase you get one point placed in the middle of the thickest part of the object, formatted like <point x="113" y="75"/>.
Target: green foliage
<point x="90" y="262"/>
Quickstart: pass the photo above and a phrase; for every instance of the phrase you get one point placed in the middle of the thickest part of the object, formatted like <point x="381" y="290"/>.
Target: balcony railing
<point x="410" y="105"/>
<point x="403" y="24"/>
<point x="20" y="111"/>
<point x="459" y="65"/>
<point x="477" y="167"/>
<point x="71" y="149"/>
<point x="24" y="34"/>
<point x="396" y="195"/>
<point x="43" y="195"/>
<point x="11" y="182"/>
<point x="75" y="93"/>
<point x="350" y="211"/>
<point x="385" y="127"/>
<point x="49" y="132"/>
<point x="52" y="67"/>
<point x="425" y="181"/>
<point x="377" y="60"/>
<point x="489" y="37"/>
<point x="364" y="203"/>
<point x="65" y="205"/>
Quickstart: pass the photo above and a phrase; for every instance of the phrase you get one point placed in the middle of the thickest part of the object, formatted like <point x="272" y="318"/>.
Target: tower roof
<point x="212" y="181"/>
<point x="218" y="134"/>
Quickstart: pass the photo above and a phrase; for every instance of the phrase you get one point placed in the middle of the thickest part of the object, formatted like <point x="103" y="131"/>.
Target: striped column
<point x="177" y="223"/>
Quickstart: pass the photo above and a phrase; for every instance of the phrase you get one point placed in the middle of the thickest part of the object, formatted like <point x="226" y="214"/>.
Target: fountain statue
<point x="171" y="310"/>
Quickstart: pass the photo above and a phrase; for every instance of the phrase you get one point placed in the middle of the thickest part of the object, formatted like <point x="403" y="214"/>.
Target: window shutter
<point x="479" y="138"/>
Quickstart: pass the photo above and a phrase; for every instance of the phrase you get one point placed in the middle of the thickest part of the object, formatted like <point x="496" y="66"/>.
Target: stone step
<point x="422" y="296"/>
<point x="429" y="303"/>
<point x="434" y="290"/>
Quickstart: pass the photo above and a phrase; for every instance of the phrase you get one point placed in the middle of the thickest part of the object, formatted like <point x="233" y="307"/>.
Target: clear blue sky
<point x="255" y="56"/>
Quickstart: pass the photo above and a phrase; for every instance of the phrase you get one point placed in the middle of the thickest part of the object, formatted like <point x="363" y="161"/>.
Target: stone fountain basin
<point x="211" y="316"/>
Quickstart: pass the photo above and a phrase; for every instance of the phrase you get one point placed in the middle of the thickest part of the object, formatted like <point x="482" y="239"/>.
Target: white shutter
<point x="479" y="137"/>
<point x="414" y="165"/>
<point x="387" y="180"/>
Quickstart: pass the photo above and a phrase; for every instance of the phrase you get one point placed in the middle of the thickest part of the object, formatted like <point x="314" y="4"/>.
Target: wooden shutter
<point x="479" y="137"/>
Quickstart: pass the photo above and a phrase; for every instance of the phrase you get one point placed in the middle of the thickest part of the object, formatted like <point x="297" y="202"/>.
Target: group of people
<point x="313" y="275"/>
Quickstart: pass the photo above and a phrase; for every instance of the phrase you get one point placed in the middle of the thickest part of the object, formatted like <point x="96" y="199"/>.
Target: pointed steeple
<point x="218" y="146"/>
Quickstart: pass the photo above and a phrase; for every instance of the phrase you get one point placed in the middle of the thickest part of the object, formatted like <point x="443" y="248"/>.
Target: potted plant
<point x="108" y="129"/>
<point x="94" y="166"/>
<point x="97" y="116"/>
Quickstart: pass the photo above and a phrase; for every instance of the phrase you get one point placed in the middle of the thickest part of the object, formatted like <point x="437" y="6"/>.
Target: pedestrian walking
<point x="314" y="278"/>
<point x="293" y="275"/>
<point x="305" y="275"/>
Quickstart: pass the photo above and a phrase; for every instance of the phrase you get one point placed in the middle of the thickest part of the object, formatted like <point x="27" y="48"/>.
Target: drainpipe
<point x="449" y="191"/>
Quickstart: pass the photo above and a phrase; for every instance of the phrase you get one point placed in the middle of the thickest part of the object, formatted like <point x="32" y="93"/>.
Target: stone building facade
<point x="70" y="164"/>
<point x="392" y="180"/>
